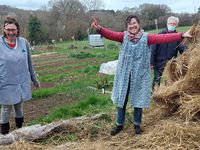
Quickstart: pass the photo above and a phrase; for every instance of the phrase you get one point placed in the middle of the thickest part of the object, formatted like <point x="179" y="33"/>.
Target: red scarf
<point x="135" y="37"/>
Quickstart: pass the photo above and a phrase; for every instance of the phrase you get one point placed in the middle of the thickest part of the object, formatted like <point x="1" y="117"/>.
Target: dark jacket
<point x="161" y="53"/>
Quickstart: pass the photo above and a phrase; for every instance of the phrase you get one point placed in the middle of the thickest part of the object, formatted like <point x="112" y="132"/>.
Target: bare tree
<point x="149" y="12"/>
<point x="93" y="4"/>
<point x="152" y="11"/>
<point x="64" y="10"/>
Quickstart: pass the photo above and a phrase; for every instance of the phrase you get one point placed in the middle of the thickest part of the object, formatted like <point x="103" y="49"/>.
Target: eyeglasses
<point x="11" y="30"/>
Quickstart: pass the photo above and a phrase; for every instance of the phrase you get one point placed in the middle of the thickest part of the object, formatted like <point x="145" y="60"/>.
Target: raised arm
<point x="111" y="35"/>
<point x="166" y="38"/>
<point x="108" y="34"/>
<point x="163" y="38"/>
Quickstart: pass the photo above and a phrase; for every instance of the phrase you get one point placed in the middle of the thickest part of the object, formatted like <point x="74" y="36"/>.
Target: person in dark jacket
<point x="161" y="53"/>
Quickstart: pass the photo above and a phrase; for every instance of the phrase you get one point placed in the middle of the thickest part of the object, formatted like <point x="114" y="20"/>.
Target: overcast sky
<point x="177" y="6"/>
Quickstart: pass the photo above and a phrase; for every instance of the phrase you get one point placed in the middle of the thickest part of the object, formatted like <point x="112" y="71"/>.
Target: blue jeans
<point x="137" y="117"/>
<point x="121" y="112"/>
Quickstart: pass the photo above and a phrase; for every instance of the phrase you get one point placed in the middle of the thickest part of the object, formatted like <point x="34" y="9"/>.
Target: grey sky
<point x="177" y="6"/>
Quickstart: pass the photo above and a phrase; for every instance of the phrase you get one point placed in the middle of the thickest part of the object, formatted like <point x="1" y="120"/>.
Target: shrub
<point x="102" y="83"/>
<point x="82" y="55"/>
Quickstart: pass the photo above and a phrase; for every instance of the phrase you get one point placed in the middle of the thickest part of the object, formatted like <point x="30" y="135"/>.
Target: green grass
<point x="88" y="106"/>
<point x="75" y="87"/>
<point x="179" y="29"/>
<point x="82" y="55"/>
<point x="69" y="87"/>
<point x="89" y="69"/>
<point x="44" y="92"/>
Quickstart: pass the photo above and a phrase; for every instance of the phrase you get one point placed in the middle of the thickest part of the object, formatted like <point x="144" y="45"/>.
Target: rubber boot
<point x="138" y="130"/>
<point x="116" y="130"/>
<point x="19" y="122"/>
<point x="5" y="127"/>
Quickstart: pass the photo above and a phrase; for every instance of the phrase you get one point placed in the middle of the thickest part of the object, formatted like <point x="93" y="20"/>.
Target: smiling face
<point x="133" y="26"/>
<point x="10" y="31"/>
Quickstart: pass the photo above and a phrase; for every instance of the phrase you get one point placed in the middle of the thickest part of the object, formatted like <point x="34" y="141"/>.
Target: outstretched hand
<point x="95" y="23"/>
<point x="187" y="34"/>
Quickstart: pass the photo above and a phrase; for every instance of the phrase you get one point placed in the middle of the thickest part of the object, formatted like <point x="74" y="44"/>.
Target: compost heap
<point x="179" y="98"/>
<point x="181" y="91"/>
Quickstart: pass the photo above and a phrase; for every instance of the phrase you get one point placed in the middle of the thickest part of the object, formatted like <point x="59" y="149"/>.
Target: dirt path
<point x="36" y="108"/>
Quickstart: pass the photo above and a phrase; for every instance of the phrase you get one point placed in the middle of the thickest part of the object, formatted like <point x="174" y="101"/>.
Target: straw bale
<point x="171" y="134"/>
<point x="23" y="145"/>
<point x="182" y="86"/>
<point x="165" y="95"/>
<point x="176" y="68"/>
<point x="165" y="134"/>
<point x="189" y="107"/>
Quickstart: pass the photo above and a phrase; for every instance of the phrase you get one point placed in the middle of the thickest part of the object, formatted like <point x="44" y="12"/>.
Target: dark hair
<point x="11" y="20"/>
<point x="128" y="19"/>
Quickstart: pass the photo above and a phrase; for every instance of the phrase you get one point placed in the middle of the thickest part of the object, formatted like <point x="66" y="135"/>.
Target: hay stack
<point x="182" y="90"/>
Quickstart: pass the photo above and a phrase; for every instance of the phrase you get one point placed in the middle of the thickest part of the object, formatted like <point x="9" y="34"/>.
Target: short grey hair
<point x="173" y="18"/>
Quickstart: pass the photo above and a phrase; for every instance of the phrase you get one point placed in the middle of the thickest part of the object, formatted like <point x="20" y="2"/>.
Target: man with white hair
<point x="172" y="23"/>
<point x="161" y="53"/>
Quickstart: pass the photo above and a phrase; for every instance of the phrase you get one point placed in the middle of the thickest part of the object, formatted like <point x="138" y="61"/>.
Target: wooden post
<point x="156" y="23"/>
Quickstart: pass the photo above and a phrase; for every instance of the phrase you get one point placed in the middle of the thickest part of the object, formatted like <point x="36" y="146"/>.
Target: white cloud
<point x="177" y="6"/>
<point x="25" y="4"/>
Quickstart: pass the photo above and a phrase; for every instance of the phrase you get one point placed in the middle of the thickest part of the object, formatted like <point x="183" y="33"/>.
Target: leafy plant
<point x="102" y="83"/>
<point x="81" y="55"/>
<point x="90" y="69"/>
